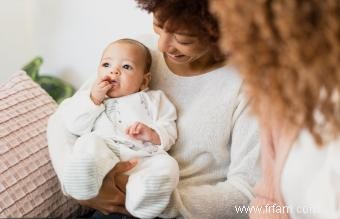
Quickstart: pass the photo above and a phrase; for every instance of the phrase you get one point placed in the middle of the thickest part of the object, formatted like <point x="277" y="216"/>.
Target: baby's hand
<point x="99" y="89"/>
<point x="142" y="132"/>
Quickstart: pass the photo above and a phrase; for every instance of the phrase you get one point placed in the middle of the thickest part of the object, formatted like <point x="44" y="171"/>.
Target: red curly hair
<point x="191" y="15"/>
<point x="288" y="51"/>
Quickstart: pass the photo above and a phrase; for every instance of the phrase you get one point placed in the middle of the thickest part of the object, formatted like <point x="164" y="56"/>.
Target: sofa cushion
<point x="28" y="184"/>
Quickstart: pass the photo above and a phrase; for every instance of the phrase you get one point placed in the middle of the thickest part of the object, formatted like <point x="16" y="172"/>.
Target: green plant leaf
<point x="32" y="68"/>
<point x="56" y="88"/>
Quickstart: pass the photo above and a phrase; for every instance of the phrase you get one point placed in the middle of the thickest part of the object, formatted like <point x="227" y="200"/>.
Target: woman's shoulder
<point x="226" y="78"/>
<point x="229" y="72"/>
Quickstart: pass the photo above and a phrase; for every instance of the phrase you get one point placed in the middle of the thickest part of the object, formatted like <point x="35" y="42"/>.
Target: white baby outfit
<point x="217" y="148"/>
<point x="103" y="143"/>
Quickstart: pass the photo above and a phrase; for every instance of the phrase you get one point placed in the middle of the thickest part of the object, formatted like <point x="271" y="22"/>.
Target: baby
<point x="119" y="119"/>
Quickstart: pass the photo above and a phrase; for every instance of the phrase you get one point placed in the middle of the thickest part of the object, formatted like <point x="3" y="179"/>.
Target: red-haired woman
<point x="217" y="148"/>
<point x="288" y="52"/>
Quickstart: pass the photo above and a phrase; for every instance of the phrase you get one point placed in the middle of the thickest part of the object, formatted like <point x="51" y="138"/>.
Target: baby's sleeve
<point x="164" y="118"/>
<point x="79" y="113"/>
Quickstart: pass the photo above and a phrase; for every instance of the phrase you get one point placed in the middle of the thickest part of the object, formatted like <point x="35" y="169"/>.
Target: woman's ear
<point x="146" y="80"/>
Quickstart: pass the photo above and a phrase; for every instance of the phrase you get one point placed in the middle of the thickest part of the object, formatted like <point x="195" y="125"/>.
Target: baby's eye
<point x="106" y="65"/>
<point x="127" y="67"/>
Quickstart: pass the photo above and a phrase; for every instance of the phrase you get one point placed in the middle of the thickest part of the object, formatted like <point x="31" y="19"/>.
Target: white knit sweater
<point x="218" y="144"/>
<point x="217" y="147"/>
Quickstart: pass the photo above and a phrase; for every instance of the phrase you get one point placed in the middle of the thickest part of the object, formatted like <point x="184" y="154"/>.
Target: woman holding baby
<point x="217" y="148"/>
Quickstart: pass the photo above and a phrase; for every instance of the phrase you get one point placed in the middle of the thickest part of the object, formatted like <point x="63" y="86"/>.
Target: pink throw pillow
<point x="28" y="184"/>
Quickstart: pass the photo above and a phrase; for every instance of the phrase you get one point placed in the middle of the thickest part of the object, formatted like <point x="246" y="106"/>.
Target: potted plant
<point x="55" y="87"/>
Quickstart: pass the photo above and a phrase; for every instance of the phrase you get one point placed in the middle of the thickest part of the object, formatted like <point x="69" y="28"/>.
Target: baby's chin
<point x="116" y="94"/>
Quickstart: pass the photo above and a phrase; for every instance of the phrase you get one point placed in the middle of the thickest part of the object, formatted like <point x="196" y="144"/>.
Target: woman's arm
<point x="266" y="191"/>
<point x="207" y="201"/>
<point x="276" y="138"/>
<point x="226" y="199"/>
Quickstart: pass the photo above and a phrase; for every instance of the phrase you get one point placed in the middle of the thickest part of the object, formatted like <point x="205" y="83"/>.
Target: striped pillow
<point x="28" y="184"/>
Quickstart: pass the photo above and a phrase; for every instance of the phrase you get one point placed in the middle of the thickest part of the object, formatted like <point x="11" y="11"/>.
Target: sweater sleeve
<point x="164" y="117"/>
<point x="225" y="199"/>
<point x="207" y="201"/>
<point x="245" y="149"/>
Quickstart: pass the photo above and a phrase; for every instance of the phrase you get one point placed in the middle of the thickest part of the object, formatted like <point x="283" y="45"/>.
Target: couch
<point x="28" y="184"/>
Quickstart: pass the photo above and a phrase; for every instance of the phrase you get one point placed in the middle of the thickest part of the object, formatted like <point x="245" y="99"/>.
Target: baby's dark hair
<point x="148" y="58"/>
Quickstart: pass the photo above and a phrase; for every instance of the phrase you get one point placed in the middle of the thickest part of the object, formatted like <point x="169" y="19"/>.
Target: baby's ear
<point x="146" y="80"/>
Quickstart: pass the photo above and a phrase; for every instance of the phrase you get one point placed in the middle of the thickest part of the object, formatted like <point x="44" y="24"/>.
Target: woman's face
<point x="181" y="46"/>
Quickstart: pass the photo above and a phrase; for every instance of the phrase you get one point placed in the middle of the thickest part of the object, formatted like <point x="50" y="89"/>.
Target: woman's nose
<point x="165" y="41"/>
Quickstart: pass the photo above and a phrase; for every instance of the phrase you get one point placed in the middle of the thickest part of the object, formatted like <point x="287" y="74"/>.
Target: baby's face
<point x="124" y="63"/>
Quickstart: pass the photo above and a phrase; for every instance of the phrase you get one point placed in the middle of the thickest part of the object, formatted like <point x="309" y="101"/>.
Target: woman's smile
<point x="178" y="58"/>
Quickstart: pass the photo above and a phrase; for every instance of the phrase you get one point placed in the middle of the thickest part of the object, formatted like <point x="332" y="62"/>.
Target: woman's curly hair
<point x="288" y="51"/>
<point x="191" y="15"/>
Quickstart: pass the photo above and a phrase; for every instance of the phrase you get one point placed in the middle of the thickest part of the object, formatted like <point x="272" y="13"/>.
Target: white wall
<point x="69" y="34"/>
<point x="16" y="46"/>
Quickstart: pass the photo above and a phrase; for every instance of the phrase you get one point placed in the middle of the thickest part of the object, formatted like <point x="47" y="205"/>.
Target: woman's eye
<point x="127" y="67"/>
<point x="106" y="65"/>
<point x="184" y="43"/>
<point x="183" y="40"/>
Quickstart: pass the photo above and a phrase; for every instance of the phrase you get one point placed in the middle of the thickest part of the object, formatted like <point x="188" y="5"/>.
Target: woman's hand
<point x="111" y="196"/>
